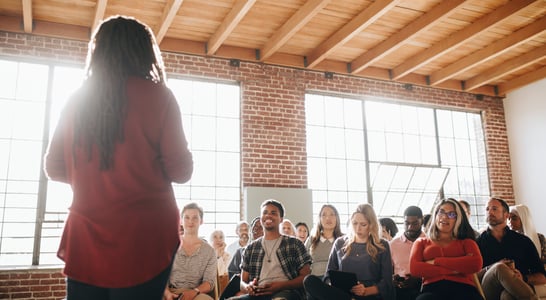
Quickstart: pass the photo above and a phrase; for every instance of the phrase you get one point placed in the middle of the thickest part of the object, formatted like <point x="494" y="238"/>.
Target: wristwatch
<point x="197" y="291"/>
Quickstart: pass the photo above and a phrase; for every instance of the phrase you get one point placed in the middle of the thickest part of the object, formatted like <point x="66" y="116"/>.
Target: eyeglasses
<point x="449" y="214"/>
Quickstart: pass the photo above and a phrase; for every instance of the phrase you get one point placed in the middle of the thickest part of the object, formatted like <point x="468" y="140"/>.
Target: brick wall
<point x="32" y="284"/>
<point x="272" y="108"/>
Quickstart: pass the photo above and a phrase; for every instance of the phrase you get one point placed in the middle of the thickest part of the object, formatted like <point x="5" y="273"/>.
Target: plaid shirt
<point x="291" y="254"/>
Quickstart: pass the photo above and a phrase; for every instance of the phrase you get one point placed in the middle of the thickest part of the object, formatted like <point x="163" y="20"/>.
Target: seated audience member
<point x="522" y="222"/>
<point x="287" y="228"/>
<point x="388" y="228"/>
<point x="449" y="257"/>
<point x="274" y="265"/>
<point x="510" y="260"/>
<point x="362" y="252"/>
<point x="320" y="242"/>
<point x="302" y="231"/>
<point x="217" y="241"/>
<point x="242" y="233"/>
<point x="193" y="274"/>
<point x="234" y="268"/>
<point x="407" y="286"/>
<point x="468" y="211"/>
<point x="256" y="231"/>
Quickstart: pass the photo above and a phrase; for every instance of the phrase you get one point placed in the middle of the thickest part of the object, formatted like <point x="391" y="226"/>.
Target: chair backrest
<point x="478" y="284"/>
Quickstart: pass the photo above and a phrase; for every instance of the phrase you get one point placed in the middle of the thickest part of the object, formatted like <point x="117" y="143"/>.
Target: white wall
<point x="525" y="111"/>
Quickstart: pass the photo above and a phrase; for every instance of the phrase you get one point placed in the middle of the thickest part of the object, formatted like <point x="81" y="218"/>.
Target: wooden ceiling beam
<point x="521" y="81"/>
<point x="27" y="15"/>
<point x="506" y="68"/>
<point x="364" y="19"/>
<point x="235" y="15"/>
<point x="459" y="37"/>
<point x="296" y="61"/>
<point x="169" y="12"/>
<point x="493" y="50"/>
<point x="395" y="41"/>
<point x="292" y="26"/>
<point x="100" y="10"/>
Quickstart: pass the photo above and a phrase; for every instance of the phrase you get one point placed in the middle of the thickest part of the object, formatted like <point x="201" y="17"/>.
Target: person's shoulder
<point x="254" y="244"/>
<point x="206" y="246"/>
<point x="483" y="235"/>
<point x="422" y="240"/>
<point x="397" y="239"/>
<point x="340" y="241"/>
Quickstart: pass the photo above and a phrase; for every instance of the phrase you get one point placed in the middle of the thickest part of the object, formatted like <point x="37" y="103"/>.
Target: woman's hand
<point x="359" y="289"/>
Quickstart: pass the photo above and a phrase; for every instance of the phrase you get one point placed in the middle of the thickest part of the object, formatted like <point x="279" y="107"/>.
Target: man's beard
<point x="413" y="234"/>
<point x="493" y="221"/>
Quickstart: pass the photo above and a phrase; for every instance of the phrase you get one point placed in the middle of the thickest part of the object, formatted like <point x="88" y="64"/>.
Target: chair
<point x="223" y="281"/>
<point x="478" y="284"/>
<point x="540" y="290"/>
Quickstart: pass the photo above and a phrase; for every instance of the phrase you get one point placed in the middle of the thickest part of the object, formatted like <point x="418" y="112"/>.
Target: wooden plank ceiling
<point x="487" y="47"/>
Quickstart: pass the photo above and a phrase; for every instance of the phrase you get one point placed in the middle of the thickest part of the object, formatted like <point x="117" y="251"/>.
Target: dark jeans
<point x="151" y="290"/>
<point x="284" y="295"/>
<point x="449" y="290"/>
<point x="316" y="289"/>
<point x="407" y="293"/>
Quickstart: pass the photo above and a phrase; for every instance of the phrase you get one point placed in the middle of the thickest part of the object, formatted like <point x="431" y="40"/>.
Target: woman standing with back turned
<point x="120" y="144"/>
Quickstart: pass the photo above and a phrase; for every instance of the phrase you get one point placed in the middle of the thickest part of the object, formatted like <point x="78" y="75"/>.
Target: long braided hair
<point x="120" y="48"/>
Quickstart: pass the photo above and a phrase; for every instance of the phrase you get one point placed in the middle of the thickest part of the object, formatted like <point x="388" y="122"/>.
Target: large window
<point x="393" y="155"/>
<point x="211" y="119"/>
<point x="33" y="209"/>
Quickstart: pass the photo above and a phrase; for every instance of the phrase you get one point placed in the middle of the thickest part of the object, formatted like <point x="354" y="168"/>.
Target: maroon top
<point x="122" y="229"/>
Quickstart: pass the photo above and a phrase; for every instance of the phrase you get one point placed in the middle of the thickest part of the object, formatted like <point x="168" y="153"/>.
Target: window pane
<point x="314" y="109"/>
<point x="211" y="120"/>
<point x="316" y="141"/>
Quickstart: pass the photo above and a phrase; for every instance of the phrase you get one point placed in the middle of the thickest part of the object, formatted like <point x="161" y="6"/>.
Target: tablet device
<point x="343" y="280"/>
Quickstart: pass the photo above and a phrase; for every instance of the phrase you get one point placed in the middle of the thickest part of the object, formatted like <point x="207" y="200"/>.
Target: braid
<point x="122" y="47"/>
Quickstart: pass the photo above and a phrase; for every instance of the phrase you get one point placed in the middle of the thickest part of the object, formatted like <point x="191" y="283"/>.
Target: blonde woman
<point x="361" y="252"/>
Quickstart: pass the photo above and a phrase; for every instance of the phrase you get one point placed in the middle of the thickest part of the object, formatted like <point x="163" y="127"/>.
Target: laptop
<point x="343" y="280"/>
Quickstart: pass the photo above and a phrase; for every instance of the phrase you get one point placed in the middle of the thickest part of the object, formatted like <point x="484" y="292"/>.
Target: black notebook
<point x="343" y="280"/>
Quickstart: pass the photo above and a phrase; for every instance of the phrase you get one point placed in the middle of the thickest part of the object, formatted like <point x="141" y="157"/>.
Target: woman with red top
<point x="448" y="258"/>
<point x="120" y="144"/>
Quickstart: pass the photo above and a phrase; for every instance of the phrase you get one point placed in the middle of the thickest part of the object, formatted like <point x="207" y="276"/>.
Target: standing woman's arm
<point x="54" y="162"/>
<point x="175" y="155"/>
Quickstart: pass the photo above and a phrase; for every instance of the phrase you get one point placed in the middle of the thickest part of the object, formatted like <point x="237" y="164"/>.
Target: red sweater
<point x="457" y="261"/>
<point x="122" y="228"/>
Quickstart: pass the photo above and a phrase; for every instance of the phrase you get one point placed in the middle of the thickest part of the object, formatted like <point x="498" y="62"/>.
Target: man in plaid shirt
<point x="275" y="265"/>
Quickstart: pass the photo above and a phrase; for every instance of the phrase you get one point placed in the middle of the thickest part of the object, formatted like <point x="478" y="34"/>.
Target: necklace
<point x="268" y="255"/>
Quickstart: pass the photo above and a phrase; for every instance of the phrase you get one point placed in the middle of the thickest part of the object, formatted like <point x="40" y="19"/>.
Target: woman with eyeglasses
<point x="448" y="258"/>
